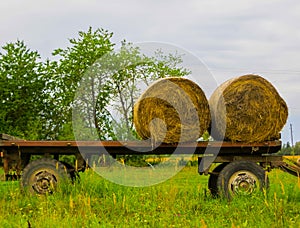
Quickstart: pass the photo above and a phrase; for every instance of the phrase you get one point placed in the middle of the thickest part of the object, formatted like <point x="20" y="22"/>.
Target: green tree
<point x="104" y="80"/>
<point x="132" y="69"/>
<point x="286" y="149"/>
<point x="297" y="148"/>
<point x="22" y="96"/>
<point x="69" y="70"/>
<point x="38" y="97"/>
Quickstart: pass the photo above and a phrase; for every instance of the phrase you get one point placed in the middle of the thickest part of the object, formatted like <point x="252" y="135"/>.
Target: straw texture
<point x="172" y="110"/>
<point x="247" y="109"/>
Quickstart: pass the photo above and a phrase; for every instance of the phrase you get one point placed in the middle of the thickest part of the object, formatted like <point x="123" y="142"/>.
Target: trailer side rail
<point x="139" y="147"/>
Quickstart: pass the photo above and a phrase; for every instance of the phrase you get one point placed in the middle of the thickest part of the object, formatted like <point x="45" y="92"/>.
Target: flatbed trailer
<point x="242" y="167"/>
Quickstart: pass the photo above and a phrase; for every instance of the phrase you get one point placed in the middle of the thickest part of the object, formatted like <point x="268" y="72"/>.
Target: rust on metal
<point x="139" y="147"/>
<point x="255" y="146"/>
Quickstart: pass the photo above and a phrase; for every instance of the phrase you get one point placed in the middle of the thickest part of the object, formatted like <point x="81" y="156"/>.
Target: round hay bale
<point x="247" y="109"/>
<point x="172" y="110"/>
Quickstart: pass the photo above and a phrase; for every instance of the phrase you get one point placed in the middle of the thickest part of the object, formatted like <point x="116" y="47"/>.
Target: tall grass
<point x="183" y="201"/>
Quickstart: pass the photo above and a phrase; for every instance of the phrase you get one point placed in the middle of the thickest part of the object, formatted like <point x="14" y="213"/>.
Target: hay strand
<point x="172" y="110"/>
<point x="247" y="109"/>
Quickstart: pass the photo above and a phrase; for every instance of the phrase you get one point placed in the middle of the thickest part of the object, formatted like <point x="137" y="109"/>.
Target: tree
<point x="132" y="68"/>
<point x="69" y="70"/>
<point x="94" y="79"/>
<point x="21" y="91"/>
<point x="89" y="77"/>
<point x="286" y="149"/>
<point x="297" y="148"/>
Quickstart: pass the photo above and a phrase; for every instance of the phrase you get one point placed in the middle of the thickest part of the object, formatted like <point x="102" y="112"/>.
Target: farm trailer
<point x="241" y="168"/>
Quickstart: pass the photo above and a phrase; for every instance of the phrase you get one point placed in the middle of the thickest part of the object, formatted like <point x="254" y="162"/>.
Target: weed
<point x="182" y="201"/>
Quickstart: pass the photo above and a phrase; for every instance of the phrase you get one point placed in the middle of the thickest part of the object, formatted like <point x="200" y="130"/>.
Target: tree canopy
<point x="90" y="76"/>
<point x="22" y="81"/>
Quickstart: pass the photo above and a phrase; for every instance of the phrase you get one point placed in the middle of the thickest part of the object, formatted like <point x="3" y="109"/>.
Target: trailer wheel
<point x="42" y="176"/>
<point x="242" y="178"/>
<point x="213" y="178"/>
<point x="74" y="175"/>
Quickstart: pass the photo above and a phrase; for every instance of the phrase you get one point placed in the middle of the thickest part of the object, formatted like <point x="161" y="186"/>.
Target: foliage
<point x="38" y="96"/>
<point x="287" y="149"/>
<point x="22" y="91"/>
<point x="297" y="148"/>
<point x="109" y="88"/>
<point x="70" y="69"/>
<point x="132" y="70"/>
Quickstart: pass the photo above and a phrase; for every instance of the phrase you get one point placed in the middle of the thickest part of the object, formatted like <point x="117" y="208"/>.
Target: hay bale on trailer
<point x="247" y="109"/>
<point x="172" y="110"/>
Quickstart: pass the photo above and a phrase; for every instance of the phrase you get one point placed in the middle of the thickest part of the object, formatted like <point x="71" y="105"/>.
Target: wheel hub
<point x="44" y="182"/>
<point x="243" y="182"/>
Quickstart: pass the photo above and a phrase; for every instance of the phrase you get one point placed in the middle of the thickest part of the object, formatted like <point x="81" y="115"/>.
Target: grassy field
<point x="183" y="201"/>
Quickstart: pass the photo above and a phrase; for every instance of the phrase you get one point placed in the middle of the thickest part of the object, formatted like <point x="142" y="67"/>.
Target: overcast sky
<point x="230" y="37"/>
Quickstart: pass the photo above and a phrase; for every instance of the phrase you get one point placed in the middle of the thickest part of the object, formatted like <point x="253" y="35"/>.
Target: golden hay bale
<point x="247" y="109"/>
<point x="172" y="110"/>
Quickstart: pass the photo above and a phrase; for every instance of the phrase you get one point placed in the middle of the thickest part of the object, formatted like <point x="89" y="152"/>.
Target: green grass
<point x="183" y="201"/>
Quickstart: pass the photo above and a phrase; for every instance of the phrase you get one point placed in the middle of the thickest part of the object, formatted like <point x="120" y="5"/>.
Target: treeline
<point x="87" y="81"/>
<point x="287" y="149"/>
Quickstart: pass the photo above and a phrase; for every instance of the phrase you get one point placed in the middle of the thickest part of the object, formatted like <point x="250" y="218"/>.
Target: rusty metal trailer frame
<point x="16" y="153"/>
<point x="20" y="151"/>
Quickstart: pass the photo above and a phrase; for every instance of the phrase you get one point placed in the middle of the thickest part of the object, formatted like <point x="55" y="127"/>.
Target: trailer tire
<point x="213" y="178"/>
<point x="242" y="178"/>
<point x="42" y="176"/>
<point x="74" y="175"/>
